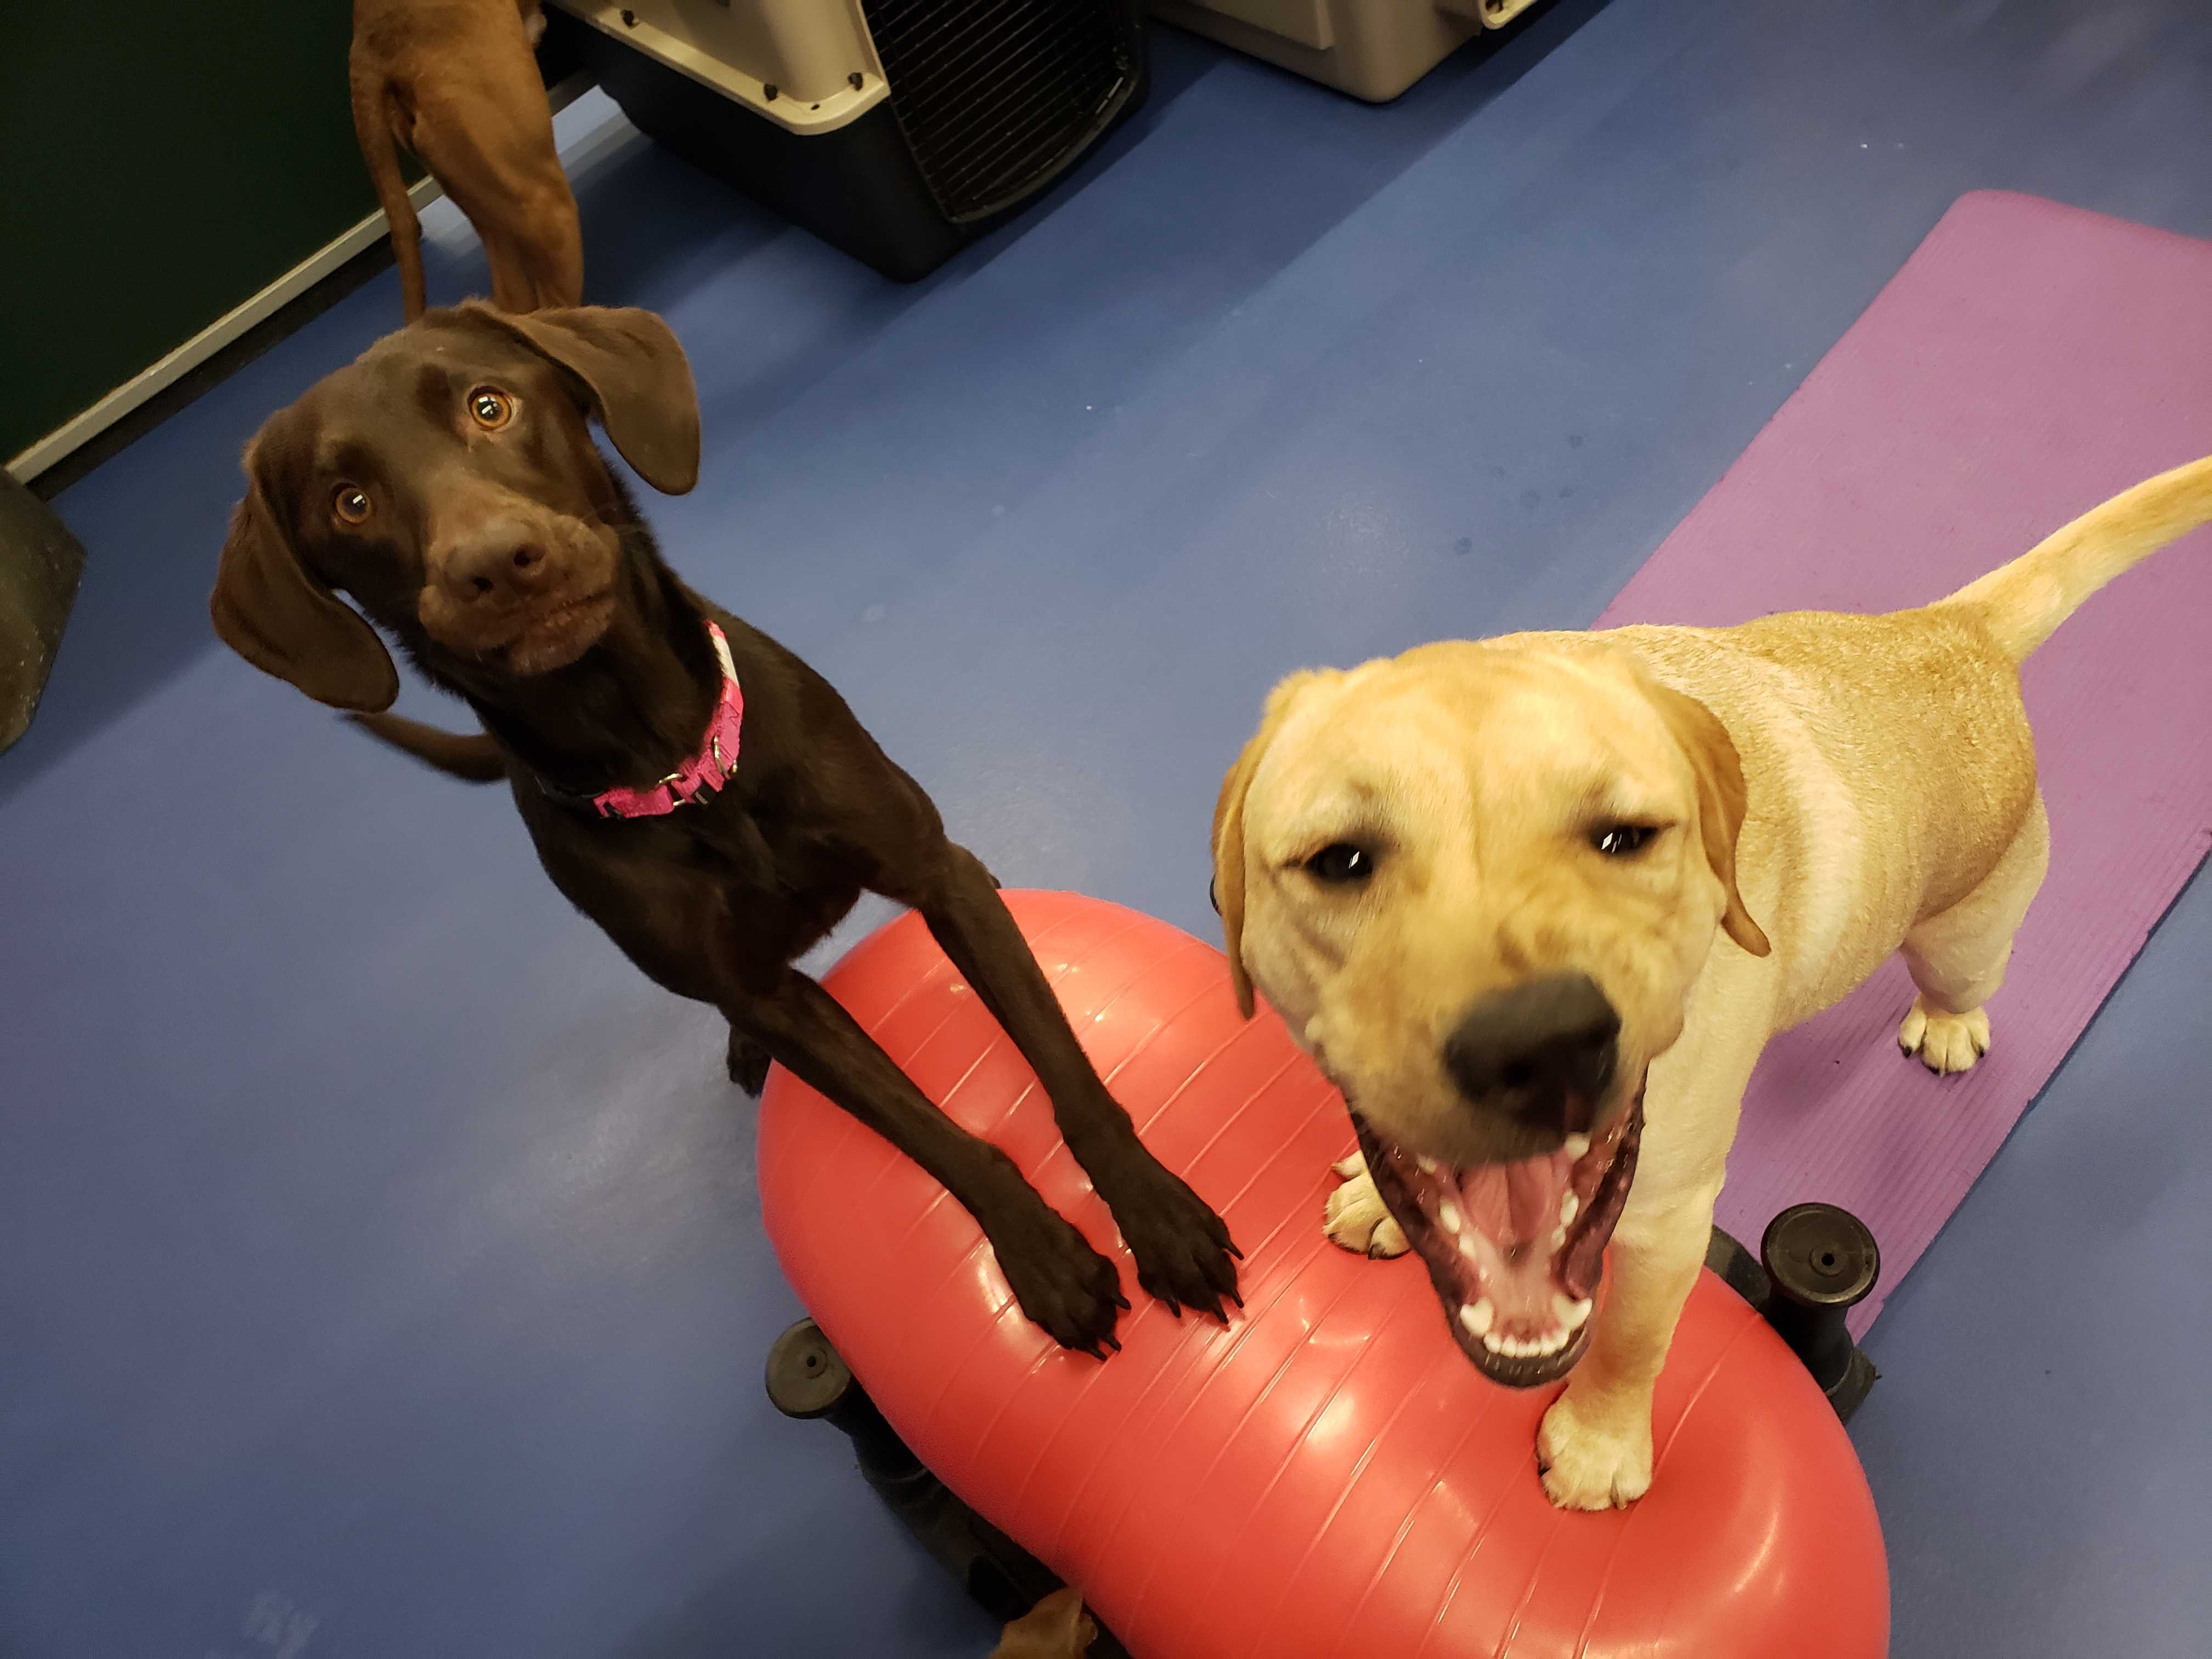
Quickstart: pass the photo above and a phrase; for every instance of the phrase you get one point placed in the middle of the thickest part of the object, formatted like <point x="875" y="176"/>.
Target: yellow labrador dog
<point x="1536" y="904"/>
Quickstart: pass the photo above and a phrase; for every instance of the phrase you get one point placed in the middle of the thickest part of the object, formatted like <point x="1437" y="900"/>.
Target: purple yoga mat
<point x="2029" y="361"/>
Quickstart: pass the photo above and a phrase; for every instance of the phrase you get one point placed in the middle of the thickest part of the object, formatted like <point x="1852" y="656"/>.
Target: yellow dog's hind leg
<point x="1956" y="958"/>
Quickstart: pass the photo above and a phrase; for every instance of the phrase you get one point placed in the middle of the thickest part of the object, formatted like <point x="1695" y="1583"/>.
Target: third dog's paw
<point x="1356" y="1218"/>
<point x="1591" y="1465"/>
<point x="1945" y="1043"/>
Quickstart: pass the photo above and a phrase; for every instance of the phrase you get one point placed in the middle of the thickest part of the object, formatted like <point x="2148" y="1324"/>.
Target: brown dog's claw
<point x="1185" y="1257"/>
<point x="1063" y="1286"/>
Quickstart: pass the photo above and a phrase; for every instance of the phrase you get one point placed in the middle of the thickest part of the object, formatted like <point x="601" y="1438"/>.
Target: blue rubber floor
<point x="381" y="1268"/>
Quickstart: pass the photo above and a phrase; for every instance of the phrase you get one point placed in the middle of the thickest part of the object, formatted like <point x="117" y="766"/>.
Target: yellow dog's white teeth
<point x="1426" y="1165"/>
<point x="1577" y="1147"/>
<point x="1447" y="1212"/>
<point x="1570" y="1206"/>
<point x="1572" y="1313"/>
<point x="1478" y="1317"/>
<point x="1523" y="1347"/>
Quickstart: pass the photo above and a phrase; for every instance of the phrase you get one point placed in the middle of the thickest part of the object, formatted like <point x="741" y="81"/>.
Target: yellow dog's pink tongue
<point x="1516" y="1203"/>
<point x="1532" y="1189"/>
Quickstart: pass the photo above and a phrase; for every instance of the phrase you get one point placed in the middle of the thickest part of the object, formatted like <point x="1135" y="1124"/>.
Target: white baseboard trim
<point x="231" y="325"/>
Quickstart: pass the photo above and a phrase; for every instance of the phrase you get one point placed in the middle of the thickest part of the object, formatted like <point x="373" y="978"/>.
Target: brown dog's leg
<point x="488" y="134"/>
<point x="1062" y="1283"/>
<point x="1183" y="1248"/>
<point x="556" y="257"/>
<point x="748" y="1063"/>
<point x="730" y="948"/>
<point x="535" y="247"/>
<point x="514" y="287"/>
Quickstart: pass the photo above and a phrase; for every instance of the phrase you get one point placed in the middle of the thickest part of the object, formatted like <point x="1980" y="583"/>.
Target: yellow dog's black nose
<point x="1541" y="1052"/>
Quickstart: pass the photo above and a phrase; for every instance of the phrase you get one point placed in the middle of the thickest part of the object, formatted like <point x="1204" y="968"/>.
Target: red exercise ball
<point x="1329" y="1475"/>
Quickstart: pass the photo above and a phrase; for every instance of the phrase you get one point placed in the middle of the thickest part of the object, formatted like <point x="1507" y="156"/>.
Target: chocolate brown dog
<point x="690" y="786"/>
<point x="453" y="81"/>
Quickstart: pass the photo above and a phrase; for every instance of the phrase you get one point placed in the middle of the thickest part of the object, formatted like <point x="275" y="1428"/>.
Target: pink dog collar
<point x="707" y="770"/>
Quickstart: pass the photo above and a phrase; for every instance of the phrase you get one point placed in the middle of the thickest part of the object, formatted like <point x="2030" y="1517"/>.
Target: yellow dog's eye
<point x="490" y="408"/>
<point x="1621" y="841"/>
<point x="1340" y="864"/>
<point x="350" y="503"/>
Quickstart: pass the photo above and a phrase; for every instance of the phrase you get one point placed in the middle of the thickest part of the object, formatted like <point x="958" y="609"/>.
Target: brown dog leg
<point x="1064" y="1286"/>
<point x="1183" y="1248"/>
<point x="748" y="1063"/>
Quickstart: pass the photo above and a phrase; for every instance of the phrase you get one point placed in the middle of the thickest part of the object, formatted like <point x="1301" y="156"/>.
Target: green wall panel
<point x="164" y="162"/>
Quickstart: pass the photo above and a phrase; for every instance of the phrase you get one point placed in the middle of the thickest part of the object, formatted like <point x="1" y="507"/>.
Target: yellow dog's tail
<point x="2021" y="604"/>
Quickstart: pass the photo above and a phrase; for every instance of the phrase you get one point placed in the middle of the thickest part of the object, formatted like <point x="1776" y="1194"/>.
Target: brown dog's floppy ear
<point x="640" y="381"/>
<point x="1721" y="799"/>
<point x="1228" y="891"/>
<point x="268" y="610"/>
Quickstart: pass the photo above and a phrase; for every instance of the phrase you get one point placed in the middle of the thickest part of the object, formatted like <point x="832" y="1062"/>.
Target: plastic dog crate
<point x="1372" y="49"/>
<point x="895" y="130"/>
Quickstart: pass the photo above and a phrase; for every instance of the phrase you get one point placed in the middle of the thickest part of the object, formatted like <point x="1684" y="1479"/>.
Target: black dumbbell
<point x="1822" y="1262"/>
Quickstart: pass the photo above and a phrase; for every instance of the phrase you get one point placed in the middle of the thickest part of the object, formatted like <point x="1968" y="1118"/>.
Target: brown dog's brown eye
<point x="350" y="503"/>
<point x="490" y="409"/>
<point x="1622" y="841"/>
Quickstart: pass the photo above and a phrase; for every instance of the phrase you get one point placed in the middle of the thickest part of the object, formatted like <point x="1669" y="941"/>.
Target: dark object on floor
<point x="39" y="564"/>
<point x="1816" y="1264"/>
<point x="689" y="784"/>
<point x="807" y="1378"/>
<point x="898" y="145"/>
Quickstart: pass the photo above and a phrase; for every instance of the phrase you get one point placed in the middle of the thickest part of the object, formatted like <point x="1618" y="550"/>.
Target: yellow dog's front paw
<point x="1356" y="1218"/>
<point x="1591" y="1465"/>
<point x="1945" y="1043"/>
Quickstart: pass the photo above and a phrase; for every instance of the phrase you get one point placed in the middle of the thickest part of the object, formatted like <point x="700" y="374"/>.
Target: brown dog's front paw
<point x="748" y="1064"/>
<point x="1066" y="1289"/>
<point x="1185" y="1256"/>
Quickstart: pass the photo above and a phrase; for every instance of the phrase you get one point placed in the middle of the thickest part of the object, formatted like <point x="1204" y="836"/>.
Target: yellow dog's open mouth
<point x="1514" y="1250"/>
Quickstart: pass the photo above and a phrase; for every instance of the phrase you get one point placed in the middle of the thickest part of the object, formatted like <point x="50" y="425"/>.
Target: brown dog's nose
<point x="1541" y="1052"/>
<point x="498" y="558"/>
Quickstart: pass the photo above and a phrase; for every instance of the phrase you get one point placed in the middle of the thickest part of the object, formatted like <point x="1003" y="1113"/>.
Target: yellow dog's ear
<point x="1229" y="827"/>
<point x="1721" y="799"/>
